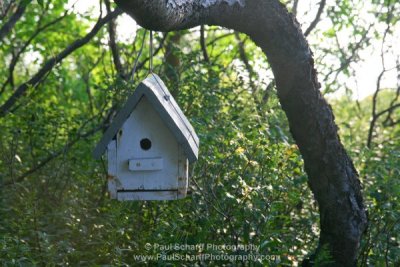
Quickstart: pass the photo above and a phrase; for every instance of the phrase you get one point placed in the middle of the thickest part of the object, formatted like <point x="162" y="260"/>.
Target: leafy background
<point x="249" y="185"/>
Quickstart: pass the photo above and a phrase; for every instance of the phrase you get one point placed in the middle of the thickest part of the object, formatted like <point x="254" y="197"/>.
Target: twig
<point x="346" y="62"/>
<point x="113" y="45"/>
<point x="389" y="109"/>
<point x="219" y="38"/>
<point x="316" y="19"/>
<point x="389" y="121"/>
<point x="86" y="79"/>
<point x="294" y="8"/>
<point x="203" y="45"/>
<point x="375" y="116"/>
<point x="4" y="10"/>
<point x="250" y="71"/>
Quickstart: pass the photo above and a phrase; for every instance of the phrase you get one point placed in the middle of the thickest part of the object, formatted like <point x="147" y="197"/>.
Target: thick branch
<point x="48" y="65"/>
<point x="21" y="50"/>
<point x="332" y="176"/>
<point x="7" y="27"/>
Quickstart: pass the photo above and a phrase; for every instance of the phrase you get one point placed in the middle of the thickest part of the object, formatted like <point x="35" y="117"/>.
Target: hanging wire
<point x="151" y="52"/>
<point x="138" y="56"/>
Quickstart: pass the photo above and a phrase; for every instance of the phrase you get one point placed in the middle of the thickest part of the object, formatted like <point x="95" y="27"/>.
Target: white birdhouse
<point x="150" y="144"/>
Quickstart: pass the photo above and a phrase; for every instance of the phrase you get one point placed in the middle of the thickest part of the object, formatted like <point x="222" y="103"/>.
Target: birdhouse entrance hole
<point x="145" y="144"/>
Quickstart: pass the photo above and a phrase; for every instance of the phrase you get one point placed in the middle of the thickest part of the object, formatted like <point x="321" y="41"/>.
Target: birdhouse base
<point x="150" y="195"/>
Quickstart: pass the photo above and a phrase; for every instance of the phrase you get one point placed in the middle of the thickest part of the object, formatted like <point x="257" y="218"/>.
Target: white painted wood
<point x="172" y="115"/>
<point x="148" y="158"/>
<point x="112" y="169"/>
<point x="161" y="100"/>
<point x="144" y="122"/>
<point x="150" y="195"/>
<point x="151" y="164"/>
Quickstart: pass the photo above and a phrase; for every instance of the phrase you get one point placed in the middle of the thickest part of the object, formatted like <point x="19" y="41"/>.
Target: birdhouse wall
<point x="112" y="177"/>
<point x="146" y="142"/>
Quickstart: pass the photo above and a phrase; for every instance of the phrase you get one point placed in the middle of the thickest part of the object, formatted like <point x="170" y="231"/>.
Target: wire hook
<point x="151" y="52"/>
<point x="138" y="56"/>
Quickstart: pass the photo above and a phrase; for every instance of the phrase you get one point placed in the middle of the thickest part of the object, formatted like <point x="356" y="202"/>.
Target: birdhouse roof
<point x="162" y="101"/>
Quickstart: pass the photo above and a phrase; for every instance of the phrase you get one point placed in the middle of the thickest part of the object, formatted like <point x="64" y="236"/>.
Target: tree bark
<point x="331" y="174"/>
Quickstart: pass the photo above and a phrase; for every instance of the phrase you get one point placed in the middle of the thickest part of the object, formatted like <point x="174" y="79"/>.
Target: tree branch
<point x="7" y="27"/>
<point x="375" y="116"/>
<point x="16" y="57"/>
<point x="4" y="9"/>
<point x="48" y="65"/>
<point x="203" y="44"/>
<point x="348" y="60"/>
<point x="316" y="19"/>
<point x="65" y="148"/>
<point x="216" y="39"/>
<point x="294" y="8"/>
<point x="86" y="79"/>
<point x="53" y="156"/>
<point x="250" y="71"/>
<point x="245" y="60"/>
<point x="389" y="109"/>
<point x="389" y="120"/>
<point x="113" y="45"/>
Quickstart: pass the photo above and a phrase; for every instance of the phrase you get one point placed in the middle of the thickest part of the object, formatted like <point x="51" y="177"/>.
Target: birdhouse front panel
<point x="149" y="146"/>
<point x="149" y="159"/>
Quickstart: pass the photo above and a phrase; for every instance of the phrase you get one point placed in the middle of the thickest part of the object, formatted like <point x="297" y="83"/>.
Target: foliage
<point x="248" y="187"/>
<point x="379" y="168"/>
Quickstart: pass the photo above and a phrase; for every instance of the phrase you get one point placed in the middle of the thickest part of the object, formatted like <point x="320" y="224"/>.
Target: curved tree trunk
<point x="332" y="176"/>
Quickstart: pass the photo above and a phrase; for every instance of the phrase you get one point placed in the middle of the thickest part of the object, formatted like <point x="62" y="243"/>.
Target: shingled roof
<point x="160" y="98"/>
